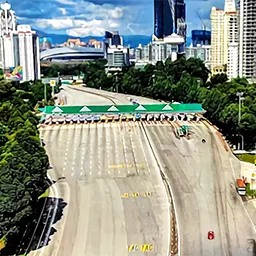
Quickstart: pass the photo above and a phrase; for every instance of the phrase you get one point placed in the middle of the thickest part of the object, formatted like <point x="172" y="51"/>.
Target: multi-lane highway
<point x="104" y="165"/>
<point x="202" y="180"/>
<point x="110" y="166"/>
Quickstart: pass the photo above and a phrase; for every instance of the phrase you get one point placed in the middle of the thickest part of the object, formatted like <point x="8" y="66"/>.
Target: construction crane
<point x="204" y="26"/>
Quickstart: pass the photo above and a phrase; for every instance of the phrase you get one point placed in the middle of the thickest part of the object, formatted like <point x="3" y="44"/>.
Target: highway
<point x="105" y="164"/>
<point x="79" y="95"/>
<point x="117" y="199"/>
<point x="101" y="163"/>
<point x="202" y="181"/>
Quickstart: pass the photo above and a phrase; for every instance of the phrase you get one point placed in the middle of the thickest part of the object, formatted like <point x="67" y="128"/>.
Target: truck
<point x="240" y="187"/>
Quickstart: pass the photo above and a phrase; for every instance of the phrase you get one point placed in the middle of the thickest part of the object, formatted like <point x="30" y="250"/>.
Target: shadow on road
<point x="29" y="240"/>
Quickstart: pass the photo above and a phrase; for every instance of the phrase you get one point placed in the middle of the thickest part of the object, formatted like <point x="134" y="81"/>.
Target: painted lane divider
<point x="142" y="248"/>
<point x="137" y="194"/>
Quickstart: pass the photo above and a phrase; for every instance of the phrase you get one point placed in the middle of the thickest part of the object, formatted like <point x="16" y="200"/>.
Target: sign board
<point x="126" y="109"/>
<point x="52" y="83"/>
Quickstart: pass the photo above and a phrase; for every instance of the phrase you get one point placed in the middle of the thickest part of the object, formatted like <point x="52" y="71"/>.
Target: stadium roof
<point x="69" y="53"/>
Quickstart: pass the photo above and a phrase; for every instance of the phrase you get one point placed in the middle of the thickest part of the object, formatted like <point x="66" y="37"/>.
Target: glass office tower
<point x="163" y="18"/>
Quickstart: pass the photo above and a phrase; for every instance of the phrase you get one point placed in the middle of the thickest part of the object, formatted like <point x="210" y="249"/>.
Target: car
<point x="210" y="235"/>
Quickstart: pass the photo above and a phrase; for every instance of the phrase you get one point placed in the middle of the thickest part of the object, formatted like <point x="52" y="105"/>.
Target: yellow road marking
<point x="137" y="194"/>
<point x="142" y="248"/>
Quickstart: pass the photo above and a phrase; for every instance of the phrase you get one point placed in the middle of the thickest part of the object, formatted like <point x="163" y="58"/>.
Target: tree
<point x="23" y="162"/>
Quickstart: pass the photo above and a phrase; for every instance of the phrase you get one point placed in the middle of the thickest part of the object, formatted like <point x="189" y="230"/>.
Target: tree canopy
<point x="23" y="162"/>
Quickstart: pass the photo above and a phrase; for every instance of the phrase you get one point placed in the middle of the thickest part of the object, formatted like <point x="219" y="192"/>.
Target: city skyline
<point x="83" y="18"/>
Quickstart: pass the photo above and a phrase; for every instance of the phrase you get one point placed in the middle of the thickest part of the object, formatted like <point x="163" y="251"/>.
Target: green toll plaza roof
<point x="125" y="109"/>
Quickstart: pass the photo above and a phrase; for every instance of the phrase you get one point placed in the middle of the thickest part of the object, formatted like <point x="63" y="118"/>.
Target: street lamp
<point x="242" y="140"/>
<point x="116" y="82"/>
<point x="240" y="98"/>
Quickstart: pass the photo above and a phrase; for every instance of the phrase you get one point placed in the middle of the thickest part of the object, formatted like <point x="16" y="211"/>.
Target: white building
<point x="202" y="52"/>
<point x="217" y="42"/>
<point x="19" y="47"/>
<point x="224" y="41"/>
<point x="117" y="58"/>
<point x="247" y="38"/>
<point x="230" y="29"/>
<point x="28" y="52"/>
<point x="159" y="50"/>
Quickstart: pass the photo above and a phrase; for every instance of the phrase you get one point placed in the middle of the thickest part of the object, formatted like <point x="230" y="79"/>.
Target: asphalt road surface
<point x="79" y="95"/>
<point x="104" y="165"/>
<point x="103" y="162"/>
<point x="202" y="180"/>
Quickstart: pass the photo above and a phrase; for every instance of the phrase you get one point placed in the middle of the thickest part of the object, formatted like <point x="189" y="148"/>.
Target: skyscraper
<point x="247" y="38"/>
<point x="217" y="42"/>
<point x="19" y="47"/>
<point x="230" y="37"/>
<point x="164" y="15"/>
<point x="180" y="18"/>
<point x="28" y="52"/>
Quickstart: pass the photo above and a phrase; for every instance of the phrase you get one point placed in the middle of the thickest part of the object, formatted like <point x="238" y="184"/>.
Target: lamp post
<point x="116" y="82"/>
<point x="242" y="140"/>
<point x="240" y="98"/>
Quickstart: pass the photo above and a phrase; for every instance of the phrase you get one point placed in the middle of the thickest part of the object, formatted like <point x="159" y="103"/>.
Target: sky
<point x="93" y="17"/>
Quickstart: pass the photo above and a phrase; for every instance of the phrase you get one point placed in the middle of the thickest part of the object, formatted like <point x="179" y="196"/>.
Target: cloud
<point x="66" y="23"/>
<point x="82" y="17"/>
<point x="66" y="2"/>
<point x="87" y="31"/>
<point x="63" y="11"/>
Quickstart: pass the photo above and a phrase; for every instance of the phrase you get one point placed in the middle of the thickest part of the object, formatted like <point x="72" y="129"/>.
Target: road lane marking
<point x="115" y="166"/>
<point x="142" y="248"/>
<point x="138" y="194"/>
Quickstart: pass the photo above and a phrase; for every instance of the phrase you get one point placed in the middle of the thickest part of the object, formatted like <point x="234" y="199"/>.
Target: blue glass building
<point x="163" y="18"/>
<point x="202" y="37"/>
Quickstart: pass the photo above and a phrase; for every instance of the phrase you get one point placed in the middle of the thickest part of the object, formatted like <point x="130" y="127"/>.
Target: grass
<point x="250" y="158"/>
<point x="250" y="192"/>
<point x="45" y="194"/>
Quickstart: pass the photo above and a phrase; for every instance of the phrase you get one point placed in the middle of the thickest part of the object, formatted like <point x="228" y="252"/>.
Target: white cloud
<point x="113" y="24"/>
<point x="63" y="11"/>
<point x="86" y="31"/>
<point x="66" y="23"/>
<point x="117" y="13"/>
<point x="67" y="2"/>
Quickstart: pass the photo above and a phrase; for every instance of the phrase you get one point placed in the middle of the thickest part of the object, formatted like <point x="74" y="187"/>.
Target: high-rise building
<point x="217" y="42"/>
<point x="164" y="15"/>
<point x="28" y="52"/>
<point x="8" y="24"/>
<point x="111" y="38"/>
<point x="180" y="21"/>
<point x="224" y="40"/>
<point x="19" y="47"/>
<point x="247" y="38"/>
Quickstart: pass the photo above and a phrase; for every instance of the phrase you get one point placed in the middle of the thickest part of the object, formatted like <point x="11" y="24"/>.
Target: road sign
<point x="126" y="109"/>
<point x="112" y="108"/>
<point x="84" y="109"/>
<point x="52" y="83"/>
